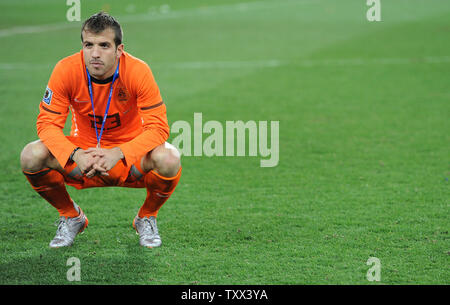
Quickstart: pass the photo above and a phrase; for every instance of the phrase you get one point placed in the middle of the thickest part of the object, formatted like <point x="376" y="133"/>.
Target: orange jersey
<point x="136" y="120"/>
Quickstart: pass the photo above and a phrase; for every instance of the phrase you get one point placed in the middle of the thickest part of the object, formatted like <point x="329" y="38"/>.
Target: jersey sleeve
<point x="54" y="109"/>
<point x="153" y="115"/>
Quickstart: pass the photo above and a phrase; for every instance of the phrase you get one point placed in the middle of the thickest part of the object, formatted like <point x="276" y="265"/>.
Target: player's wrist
<point x="119" y="152"/>
<point x="74" y="154"/>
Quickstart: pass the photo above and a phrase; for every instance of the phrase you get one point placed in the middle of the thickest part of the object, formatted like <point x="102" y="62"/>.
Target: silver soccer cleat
<point x="148" y="231"/>
<point x="68" y="228"/>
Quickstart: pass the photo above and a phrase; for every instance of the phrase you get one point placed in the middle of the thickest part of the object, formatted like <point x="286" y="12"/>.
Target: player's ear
<point x="119" y="50"/>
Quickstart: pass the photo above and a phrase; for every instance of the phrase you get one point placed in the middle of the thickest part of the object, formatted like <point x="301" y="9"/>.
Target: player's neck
<point x="102" y="81"/>
<point x="107" y="77"/>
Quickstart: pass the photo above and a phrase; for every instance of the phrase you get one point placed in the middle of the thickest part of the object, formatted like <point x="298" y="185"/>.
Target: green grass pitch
<point x="363" y="109"/>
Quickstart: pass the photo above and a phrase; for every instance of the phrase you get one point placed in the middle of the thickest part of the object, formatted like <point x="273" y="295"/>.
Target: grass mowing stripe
<point x="159" y="15"/>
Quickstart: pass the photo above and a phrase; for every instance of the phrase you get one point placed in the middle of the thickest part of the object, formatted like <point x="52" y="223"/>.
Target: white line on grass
<point x="271" y="63"/>
<point x="222" y="64"/>
<point x="25" y="66"/>
<point x="304" y="63"/>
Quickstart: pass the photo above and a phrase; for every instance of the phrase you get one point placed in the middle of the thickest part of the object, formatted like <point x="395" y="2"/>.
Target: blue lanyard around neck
<point x="116" y="74"/>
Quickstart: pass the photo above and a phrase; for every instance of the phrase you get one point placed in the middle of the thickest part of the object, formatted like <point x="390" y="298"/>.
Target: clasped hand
<point x="97" y="161"/>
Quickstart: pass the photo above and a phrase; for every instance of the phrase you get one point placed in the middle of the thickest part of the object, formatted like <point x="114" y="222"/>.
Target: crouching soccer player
<point x="118" y="134"/>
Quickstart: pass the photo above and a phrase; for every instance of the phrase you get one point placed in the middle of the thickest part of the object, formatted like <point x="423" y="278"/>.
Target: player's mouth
<point x="96" y="64"/>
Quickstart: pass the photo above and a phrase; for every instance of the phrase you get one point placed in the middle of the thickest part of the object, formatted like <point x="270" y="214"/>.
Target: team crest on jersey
<point x="122" y="95"/>
<point x="47" y="96"/>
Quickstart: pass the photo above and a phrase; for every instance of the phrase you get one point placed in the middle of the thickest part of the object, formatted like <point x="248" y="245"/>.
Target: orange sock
<point x="159" y="189"/>
<point x="50" y="185"/>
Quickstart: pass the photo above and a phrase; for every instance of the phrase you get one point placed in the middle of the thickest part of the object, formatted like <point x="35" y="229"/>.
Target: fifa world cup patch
<point x="47" y="96"/>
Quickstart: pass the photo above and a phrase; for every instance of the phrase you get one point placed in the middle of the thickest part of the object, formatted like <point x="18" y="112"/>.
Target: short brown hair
<point x="101" y="21"/>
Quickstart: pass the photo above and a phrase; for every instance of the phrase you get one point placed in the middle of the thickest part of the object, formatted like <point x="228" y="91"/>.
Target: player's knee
<point x="166" y="160"/>
<point x="34" y="156"/>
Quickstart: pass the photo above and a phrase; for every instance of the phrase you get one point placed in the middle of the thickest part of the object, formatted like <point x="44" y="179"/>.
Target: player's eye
<point x="87" y="45"/>
<point x="104" y="45"/>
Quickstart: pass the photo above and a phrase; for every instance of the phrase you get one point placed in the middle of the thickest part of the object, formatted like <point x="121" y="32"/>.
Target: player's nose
<point x="95" y="52"/>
